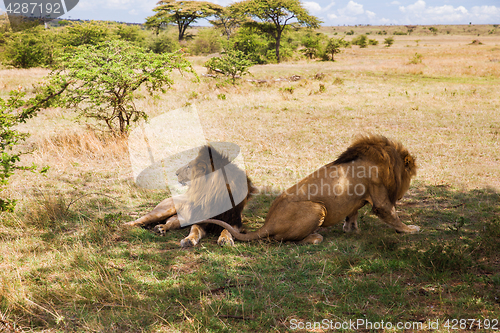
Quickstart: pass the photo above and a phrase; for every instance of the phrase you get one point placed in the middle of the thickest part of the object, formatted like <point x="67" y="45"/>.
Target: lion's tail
<point x="257" y="234"/>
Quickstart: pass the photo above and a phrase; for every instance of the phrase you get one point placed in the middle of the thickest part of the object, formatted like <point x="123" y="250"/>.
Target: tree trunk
<point x="278" y="40"/>
<point x="181" y="31"/>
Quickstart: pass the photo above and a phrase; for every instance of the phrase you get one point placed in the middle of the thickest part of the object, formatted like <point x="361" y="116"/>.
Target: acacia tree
<point x="101" y="80"/>
<point x="274" y="16"/>
<point x="228" y="20"/>
<point x="334" y="45"/>
<point x="311" y="45"/>
<point x="232" y="63"/>
<point x="181" y="13"/>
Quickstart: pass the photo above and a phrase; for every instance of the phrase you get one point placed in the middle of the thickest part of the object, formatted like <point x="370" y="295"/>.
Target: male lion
<point x="207" y="189"/>
<point x="372" y="170"/>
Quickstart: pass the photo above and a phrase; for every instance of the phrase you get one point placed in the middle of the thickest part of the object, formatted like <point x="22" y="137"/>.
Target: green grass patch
<point x="96" y="276"/>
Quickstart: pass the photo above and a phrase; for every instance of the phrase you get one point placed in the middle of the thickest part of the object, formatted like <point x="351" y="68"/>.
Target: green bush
<point x="232" y="63"/>
<point x="372" y="41"/>
<point x="29" y="48"/>
<point x="312" y="45"/>
<point x="85" y="33"/>
<point x="388" y="41"/>
<point x="164" y="42"/>
<point x="101" y="81"/>
<point x="261" y="49"/>
<point x="416" y="59"/>
<point x="253" y="45"/>
<point x="131" y="33"/>
<point x="334" y="46"/>
<point x="399" y="33"/>
<point x="361" y="41"/>
<point x="207" y="41"/>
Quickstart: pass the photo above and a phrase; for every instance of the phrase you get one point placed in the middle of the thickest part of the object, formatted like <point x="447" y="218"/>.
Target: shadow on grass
<point x="110" y="279"/>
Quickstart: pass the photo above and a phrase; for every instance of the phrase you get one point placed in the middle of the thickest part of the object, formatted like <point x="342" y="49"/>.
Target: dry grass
<point x="13" y="79"/>
<point x="66" y="266"/>
<point x="418" y="31"/>
<point x="443" y="109"/>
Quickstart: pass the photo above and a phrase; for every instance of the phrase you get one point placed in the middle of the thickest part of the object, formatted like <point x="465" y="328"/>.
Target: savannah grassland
<point x="66" y="265"/>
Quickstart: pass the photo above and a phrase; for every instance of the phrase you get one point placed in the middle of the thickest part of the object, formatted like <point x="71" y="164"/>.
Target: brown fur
<point x="303" y="208"/>
<point x="200" y="195"/>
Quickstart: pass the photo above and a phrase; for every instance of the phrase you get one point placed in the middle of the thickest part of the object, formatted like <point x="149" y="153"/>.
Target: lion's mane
<point x="395" y="165"/>
<point x="210" y="187"/>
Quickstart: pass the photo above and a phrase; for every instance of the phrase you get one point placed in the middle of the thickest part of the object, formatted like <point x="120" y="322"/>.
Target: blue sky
<point x="337" y="12"/>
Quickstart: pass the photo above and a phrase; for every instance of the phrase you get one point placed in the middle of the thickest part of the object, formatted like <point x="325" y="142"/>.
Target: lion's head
<point x="396" y="166"/>
<point x="216" y="186"/>
<point x="198" y="167"/>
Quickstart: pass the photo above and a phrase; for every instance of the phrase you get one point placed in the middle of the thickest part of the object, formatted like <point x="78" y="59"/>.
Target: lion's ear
<point x="201" y="168"/>
<point x="409" y="160"/>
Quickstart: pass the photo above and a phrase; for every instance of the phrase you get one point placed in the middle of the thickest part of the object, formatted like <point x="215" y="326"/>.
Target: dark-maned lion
<point x="372" y="170"/>
<point x="203" y="193"/>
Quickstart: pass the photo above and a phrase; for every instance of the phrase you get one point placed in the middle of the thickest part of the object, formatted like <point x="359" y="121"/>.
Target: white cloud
<point x="417" y="8"/>
<point x="329" y="6"/>
<point x="420" y="13"/>
<point x="370" y="14"/>
<point x="485" y="14"/>
<point x="396" y="3"/>
<point x="352" y="8"/>
<point x="315" y="7"/>
<point x="354" y="13"/>
<point x="312" y="6"/>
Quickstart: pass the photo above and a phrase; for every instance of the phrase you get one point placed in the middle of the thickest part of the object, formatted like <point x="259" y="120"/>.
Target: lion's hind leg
<point x="313" y="238"/>
<point x="296" y="221"/>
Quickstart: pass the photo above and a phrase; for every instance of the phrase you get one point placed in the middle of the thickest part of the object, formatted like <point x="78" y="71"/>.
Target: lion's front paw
<point x="410" y="229"/>
<point x="187" y="242"/>
<point x="160" y="229"/>
<point x="130" y="224"/>
<point x="225" y="241"/>
<point x="414" y="228"/>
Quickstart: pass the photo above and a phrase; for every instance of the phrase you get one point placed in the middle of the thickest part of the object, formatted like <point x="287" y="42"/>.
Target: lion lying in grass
<point x="372" y="170"/>
<point x="202" y="194"/>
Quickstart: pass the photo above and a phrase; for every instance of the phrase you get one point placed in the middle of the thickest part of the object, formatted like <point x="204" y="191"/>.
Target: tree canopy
<point x="181" y="13"/>
<point x="273" y="16"/>
<point x="334" y="45"/>
<point x="100" y="80"/>
<point x="228" y="20"/>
